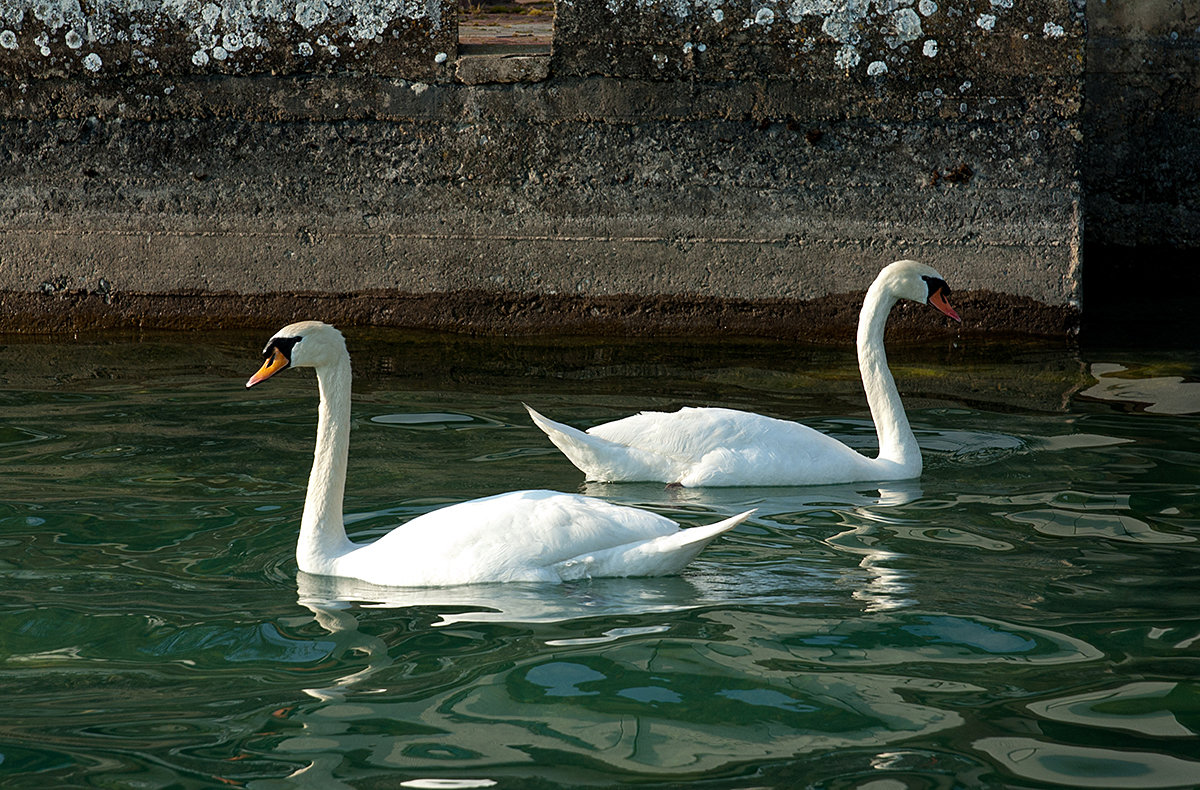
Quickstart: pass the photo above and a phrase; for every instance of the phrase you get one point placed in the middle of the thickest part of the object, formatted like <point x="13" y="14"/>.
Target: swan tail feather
<point x="660" y="556"/>
<point x="600" y="459"/>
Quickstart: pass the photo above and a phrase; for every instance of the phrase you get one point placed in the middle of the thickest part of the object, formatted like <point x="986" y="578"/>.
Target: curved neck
<point x="322" y="532"/>
<point x="896" y="440"/>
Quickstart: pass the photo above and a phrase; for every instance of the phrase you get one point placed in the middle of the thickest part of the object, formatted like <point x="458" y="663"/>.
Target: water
<point x="1023" y="616"/>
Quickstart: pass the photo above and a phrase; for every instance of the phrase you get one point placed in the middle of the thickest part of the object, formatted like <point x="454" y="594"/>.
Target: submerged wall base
<point x="830" y="319"/>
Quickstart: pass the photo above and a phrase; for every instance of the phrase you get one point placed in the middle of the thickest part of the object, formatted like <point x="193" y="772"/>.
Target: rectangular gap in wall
<point x="505" y="26"/>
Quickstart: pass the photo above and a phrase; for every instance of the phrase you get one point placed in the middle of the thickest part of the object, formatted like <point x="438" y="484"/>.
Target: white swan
<point x="724" y="447"/>
<point x="518" y="536"/>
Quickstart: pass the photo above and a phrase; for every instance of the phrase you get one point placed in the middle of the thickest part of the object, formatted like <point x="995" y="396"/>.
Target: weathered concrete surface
<point x="760" y="170"/>
<point x="995" y="45"/>
<point x="826" y="319"/>
<point x="501" y="68"/>
<point x="42" y="39"/>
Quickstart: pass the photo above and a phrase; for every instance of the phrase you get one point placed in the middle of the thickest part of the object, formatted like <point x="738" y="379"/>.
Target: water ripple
<point x="1082" y="766"/>
<point x="911" y="637"/>
<point x="1021" y="615"/>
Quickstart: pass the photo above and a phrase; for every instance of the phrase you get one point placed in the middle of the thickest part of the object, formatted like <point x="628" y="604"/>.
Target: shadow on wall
<point x="1134" y="296"/>
<point x="1140" y="170"/>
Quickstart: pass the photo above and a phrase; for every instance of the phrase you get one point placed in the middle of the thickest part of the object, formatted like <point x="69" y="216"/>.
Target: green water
<point x="1025" y="615"/>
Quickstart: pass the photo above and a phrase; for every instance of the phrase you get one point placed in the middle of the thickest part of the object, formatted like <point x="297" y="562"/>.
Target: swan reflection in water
<point x="513" y="602"/>
<point x="884" y="588"/>
<point x="769" y="503"/>
<point x="620" y="609"/>
<point x="335" y="603"/>
<point x="333" y="600"/>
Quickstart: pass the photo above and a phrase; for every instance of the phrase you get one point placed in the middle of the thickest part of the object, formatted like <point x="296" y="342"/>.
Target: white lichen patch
<point x="906" y="26"/>
<point x="8" y="39"/>
<point x="219" y="29"/>
<point x="857" y="25"/>
<point x="1051" y="30"/>
<point x="92" y="62"/>
<point x="847" y="57"/>
<point x="986" y="22"/>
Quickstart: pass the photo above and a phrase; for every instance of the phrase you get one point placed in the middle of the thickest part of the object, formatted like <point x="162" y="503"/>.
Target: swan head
<point x="920" y="283"/>
<point x="305" y="344"/>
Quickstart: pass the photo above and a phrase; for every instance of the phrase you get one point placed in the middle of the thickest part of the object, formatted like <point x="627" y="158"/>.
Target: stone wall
<point x="47" y="39"/>
<point x="235" y="163"/>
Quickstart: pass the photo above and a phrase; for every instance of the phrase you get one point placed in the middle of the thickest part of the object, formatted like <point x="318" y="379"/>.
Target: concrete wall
<point x="193" y="164"/>
<point x="46" y="39"/>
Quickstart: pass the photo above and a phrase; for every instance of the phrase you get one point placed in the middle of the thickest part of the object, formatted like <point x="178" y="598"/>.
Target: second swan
<point x="724" y="447"/>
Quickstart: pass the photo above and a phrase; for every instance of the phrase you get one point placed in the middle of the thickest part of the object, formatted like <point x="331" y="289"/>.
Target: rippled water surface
<point x="1024" y="615"/>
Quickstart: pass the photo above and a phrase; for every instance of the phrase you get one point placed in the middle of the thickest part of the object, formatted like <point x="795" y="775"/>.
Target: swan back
<point x="519" y="536"/>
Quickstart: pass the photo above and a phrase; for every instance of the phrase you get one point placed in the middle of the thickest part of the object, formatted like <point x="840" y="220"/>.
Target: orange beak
<point x="938" y="300"/>
<point x="275" y="363"/>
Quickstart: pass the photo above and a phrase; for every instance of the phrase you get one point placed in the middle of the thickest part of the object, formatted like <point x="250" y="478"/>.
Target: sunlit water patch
<point x="1022" y="615"/>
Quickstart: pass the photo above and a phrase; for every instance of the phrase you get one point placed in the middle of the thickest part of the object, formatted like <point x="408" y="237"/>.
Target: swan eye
<point x="938" y="291"/>
<point x="283" y="345"/>
<point x="935" y="284"/>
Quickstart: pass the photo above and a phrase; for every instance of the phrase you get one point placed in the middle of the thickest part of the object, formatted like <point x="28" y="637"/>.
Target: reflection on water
<point x="511" y="603"/>
<point x="1063" y="764"/>
<point x="1142" y="708"/>
<point x="1158" y="394"/>
<point x="1023" y="615"/>
<point x="627" y="705"/>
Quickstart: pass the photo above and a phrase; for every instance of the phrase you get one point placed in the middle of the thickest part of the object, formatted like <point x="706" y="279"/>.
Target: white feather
<point x="724" y="447"/>
<point x="518" y="536"/>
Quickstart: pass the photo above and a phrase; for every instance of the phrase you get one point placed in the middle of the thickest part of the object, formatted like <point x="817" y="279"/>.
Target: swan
<point x="529" y="536"/>
<point x="723" y="447"/>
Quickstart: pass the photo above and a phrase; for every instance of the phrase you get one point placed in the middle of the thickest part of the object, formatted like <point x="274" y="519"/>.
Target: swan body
<point x="519" y="536"/>
<point x="724" y="447"/>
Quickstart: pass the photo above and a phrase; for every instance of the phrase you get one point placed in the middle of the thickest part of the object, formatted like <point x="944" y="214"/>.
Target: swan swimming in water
<point x="518" y="536"/>
<point x="724" y="447"/>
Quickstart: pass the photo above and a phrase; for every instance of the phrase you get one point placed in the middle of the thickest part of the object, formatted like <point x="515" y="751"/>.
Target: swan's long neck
<point x="896" y="441"/>
<point x="322" y="532"/>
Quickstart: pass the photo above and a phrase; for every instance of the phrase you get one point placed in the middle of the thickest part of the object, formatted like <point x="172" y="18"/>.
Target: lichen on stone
<point x="219" y="30"/>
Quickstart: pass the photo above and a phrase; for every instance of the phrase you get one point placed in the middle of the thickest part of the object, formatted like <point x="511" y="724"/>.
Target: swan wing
<point x="724" y="447"/>
<point x="601" y="458"/>
<point x="660" y="556"/>
<point x="518" y="536"/>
